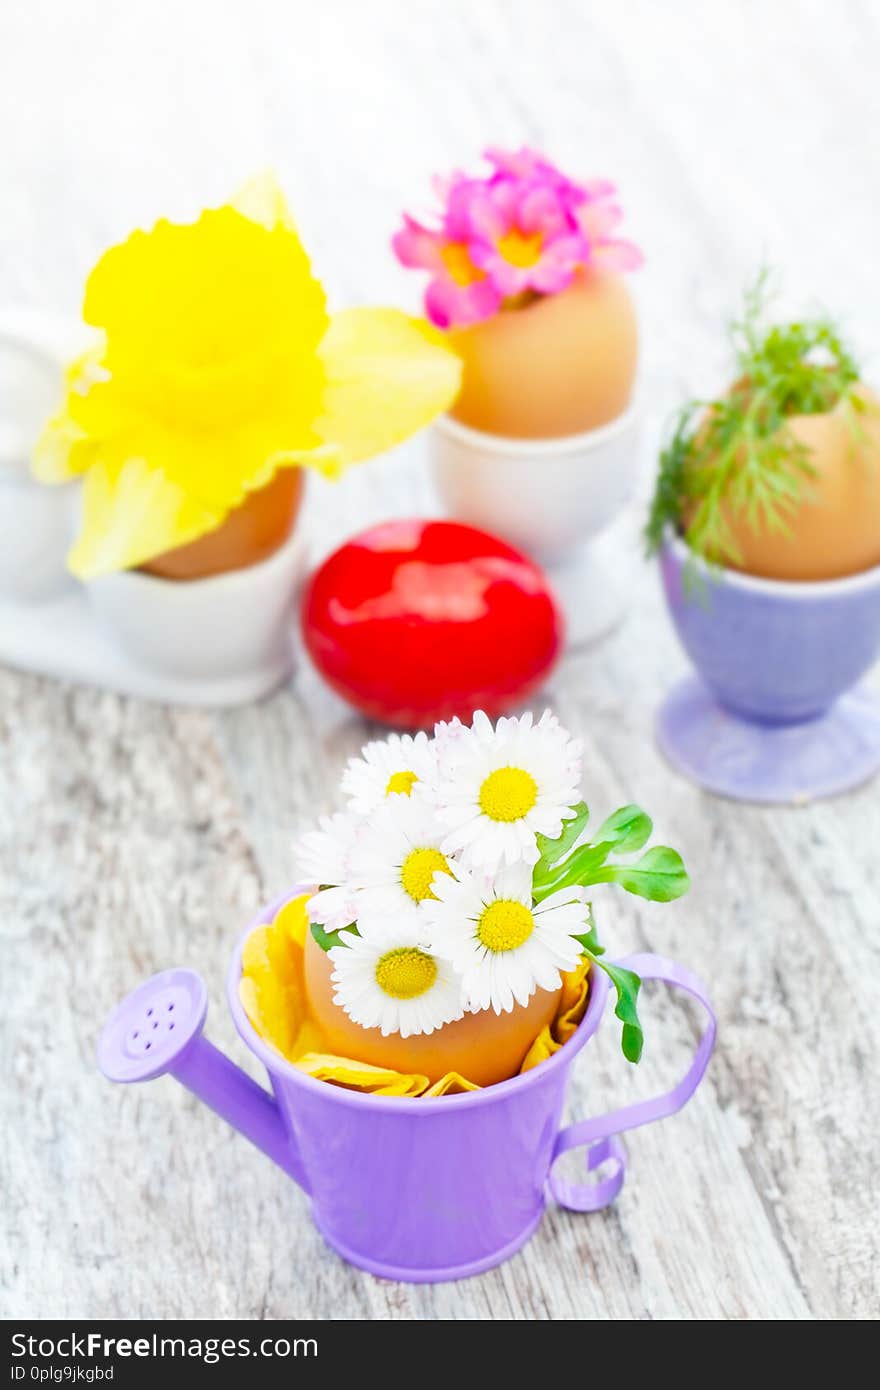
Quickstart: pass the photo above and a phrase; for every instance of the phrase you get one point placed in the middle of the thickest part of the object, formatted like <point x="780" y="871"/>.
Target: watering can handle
<point x="599" y="1135"/>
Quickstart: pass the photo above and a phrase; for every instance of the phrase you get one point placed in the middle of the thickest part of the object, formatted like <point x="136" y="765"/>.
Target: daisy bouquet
<point x="456" y="884"/>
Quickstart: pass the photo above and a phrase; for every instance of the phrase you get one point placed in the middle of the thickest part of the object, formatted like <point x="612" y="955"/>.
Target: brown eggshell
<point x="564" y="364"/>
<point x="834" y="529"/>
<point x="484" y="1047"/>
<point x="252" y="532"/>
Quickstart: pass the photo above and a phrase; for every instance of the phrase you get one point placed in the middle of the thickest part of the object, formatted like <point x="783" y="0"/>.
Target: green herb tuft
<point x="735" y="456"/>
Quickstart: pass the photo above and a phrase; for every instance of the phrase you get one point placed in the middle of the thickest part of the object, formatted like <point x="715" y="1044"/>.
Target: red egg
<point x="415" y="621"/>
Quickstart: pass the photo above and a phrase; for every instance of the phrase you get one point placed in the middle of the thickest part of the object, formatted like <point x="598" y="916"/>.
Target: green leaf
<point x="552" y="851"/>
<point x="328" y="939"/>
<point x="626" y="830"/>
<point x="579" y="868"/>
<point x="627" y="984"/>
<point x="659" y="875"/>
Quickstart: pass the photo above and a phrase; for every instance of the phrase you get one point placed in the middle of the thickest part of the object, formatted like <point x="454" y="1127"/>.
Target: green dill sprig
<point x="736" y="456"/>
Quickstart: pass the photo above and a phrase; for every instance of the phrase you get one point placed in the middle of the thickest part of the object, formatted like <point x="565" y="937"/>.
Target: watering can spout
<point x="157" y="1029"/>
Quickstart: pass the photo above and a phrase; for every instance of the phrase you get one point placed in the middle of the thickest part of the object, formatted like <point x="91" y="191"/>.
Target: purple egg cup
<point x="421" y="1190"/>
<point x="773" y="714"/>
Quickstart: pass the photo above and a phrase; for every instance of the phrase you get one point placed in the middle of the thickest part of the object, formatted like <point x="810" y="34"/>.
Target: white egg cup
<point x="36" y="523"/>
<point x="551" y="498"/>
<point x="225" y="640"/>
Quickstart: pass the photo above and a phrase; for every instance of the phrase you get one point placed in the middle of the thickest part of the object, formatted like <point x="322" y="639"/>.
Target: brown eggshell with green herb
<point x="563" y="364"/>
<point x="484" y="1047"/>
<point x="834" y="527"/>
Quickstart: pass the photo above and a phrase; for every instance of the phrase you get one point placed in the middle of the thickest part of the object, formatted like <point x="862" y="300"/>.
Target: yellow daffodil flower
<point x="217" y="365"/>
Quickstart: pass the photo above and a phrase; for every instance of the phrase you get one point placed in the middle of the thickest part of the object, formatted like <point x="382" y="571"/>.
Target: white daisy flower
<point x="387" y="767"/>
<point x="395" y="861"/>
<point x="500" y="945"/>
<point x="387" y="979"/>
<point x="447" y="735"/>
<point x="323" y="857"/>
<point x="497" y="788"/>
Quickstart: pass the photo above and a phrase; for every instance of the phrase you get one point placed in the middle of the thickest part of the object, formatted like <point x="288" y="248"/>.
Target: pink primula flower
<point x="524" y="238"/>
<point x="597" y="220"/>
<point x="525" y="228"/>
<point x="459" y="291"/>
<point x="529" y="164"/>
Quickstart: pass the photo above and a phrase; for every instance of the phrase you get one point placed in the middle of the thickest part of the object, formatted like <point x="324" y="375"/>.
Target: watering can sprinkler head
<point x="154" y="1027"/>
<point x="158" y="1029"/>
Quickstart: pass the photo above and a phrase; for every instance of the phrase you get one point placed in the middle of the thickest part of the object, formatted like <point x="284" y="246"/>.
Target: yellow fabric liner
<point x="272" y="991"/>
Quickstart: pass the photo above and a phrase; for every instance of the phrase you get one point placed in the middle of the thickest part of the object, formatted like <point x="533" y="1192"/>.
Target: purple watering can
<point x="412" y="1189"/>
<point x="773" y="715"/>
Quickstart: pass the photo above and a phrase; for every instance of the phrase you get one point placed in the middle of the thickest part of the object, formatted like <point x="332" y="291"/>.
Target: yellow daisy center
<point x="508" y="793"/>
<point x="519" y="249"/>
<point x="418" y="870"/>
<point x="406" y="972"/>
<point x="505" y="925"/>
<point x="401" y="782"/>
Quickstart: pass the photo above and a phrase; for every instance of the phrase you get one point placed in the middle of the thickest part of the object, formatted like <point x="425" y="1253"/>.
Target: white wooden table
<point x="133" y="837"/>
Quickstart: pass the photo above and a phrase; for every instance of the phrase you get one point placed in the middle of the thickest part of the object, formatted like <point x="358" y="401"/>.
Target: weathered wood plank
<point x="133" y="837"/>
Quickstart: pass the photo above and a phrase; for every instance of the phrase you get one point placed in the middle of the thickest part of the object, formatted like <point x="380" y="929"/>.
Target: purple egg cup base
<point x="775" y="713"/>
<point x="789" y="764"/>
